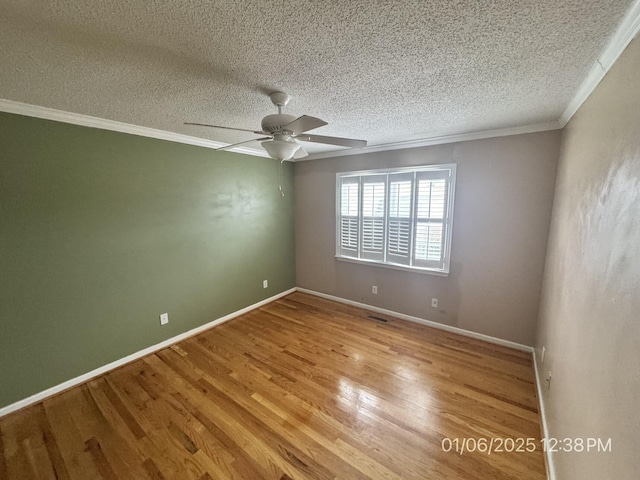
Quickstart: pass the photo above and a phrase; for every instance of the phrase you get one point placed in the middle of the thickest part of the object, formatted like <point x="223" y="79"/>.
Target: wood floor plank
<point x="261" y="452"/>
<point x="36" y="449"/>
<point x="285" y="434"/>
<point x="15" y="434"/>
<point x="302" y="388"/>
<point x="72" y="447"/>
<point x="107" y="441"/>
<point x="3" y="462"/>
<point x="51" y="444"/>
<point x="169" y="428"/>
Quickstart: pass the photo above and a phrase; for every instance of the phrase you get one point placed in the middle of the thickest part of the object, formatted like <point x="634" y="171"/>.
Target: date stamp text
<point x="522" y="445"/>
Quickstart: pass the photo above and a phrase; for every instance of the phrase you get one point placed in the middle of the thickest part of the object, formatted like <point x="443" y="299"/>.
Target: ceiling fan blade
<point x="226" y="128"/>
<point x="304" y="124"/>
<point x="343" y="142"/>
<point x="300" y="153"/>
<point x="226" y="147"/>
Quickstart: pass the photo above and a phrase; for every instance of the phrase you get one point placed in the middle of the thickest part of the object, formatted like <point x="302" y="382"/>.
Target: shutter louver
<point x="428" y="242"/>
<point x="430" y="222"/>
<point x="349" y="233"/>
<point x="372" y="235"/>
<point x="349" y="206"/>
<point x="400" y="206"/>
<point x="399" y="237"/>
<point x="373" y="199"/>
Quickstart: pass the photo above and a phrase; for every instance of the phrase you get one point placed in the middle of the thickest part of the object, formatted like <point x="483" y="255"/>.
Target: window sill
<point x="422" y="271"/>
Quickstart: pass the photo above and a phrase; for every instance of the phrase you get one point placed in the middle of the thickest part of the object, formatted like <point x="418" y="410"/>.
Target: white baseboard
<point x="551" y="474"/>
<point x="166" y="343"/>
<point x="428" y="323"/>
<point x="134" y="356"/>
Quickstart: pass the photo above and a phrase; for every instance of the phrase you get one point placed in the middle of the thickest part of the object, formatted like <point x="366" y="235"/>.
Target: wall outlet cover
<point x="164" y="319"/>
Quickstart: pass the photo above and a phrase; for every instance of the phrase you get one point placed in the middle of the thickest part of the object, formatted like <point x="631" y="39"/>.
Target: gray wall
<point x="501" y="222"/>
<point x="100" y="232"/>
<point x="590" y="310"/>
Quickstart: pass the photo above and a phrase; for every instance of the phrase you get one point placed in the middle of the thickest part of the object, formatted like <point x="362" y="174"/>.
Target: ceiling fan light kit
<point x="281" y="147"/>
<point x="283" y="132"/>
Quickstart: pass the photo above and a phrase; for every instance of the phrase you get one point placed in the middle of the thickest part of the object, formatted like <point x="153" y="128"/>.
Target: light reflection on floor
<point x="411" y="385"/>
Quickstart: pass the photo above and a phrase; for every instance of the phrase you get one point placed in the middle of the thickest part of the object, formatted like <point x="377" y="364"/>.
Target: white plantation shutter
<point x="373" y="215"/>
<point x="400" y="213"/>
<point x="349" y="235"/>
<point x="349" y="213"/>
<point x="430" y="219"/>
<point x="397" y="217"/>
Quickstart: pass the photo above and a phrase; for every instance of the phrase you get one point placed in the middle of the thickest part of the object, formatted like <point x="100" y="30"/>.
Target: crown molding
<point x="626" y="31"/>
<point x="46" y="113"/>
<point x="439" y="140"/>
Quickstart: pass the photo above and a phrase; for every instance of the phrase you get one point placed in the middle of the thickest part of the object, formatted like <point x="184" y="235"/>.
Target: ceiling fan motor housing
<point x="275" y="123"/>
<point x="282" y="130"/>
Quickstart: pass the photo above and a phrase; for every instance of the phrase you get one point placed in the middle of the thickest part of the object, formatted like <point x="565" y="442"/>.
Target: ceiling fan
<point x="282" y="132"/>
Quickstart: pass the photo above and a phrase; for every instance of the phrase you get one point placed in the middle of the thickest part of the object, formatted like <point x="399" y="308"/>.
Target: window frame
<point x="446" y="171"/>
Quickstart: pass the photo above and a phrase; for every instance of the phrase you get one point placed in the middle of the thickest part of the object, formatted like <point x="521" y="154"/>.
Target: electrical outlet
<point x="265" y="283"/>
<point x="542" y="356"/>
<point x="374" y="289"/>
<point x="434" y="302"/>
<point x="164" y="319"/>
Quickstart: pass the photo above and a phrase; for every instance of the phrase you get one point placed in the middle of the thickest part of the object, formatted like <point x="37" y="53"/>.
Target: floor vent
<point x="377" y="319"/>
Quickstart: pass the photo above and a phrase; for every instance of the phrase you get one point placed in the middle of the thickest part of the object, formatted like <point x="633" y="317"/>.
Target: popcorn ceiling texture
<point x="383" y="71"/>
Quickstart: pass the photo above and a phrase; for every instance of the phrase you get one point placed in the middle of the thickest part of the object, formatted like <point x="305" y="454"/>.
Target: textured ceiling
<point x="384" y="71"/>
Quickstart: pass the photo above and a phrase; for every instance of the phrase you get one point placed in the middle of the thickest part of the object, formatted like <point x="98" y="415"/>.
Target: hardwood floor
<point x="302" y="388"/>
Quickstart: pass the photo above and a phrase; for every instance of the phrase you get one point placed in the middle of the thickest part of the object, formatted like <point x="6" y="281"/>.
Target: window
<point x="400" y="218"/>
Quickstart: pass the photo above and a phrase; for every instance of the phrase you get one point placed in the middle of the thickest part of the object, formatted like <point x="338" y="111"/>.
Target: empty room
<point x="295" y="240"/>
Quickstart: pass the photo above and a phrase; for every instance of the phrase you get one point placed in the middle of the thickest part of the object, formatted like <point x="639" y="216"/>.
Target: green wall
<point x="100" y="232"/>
